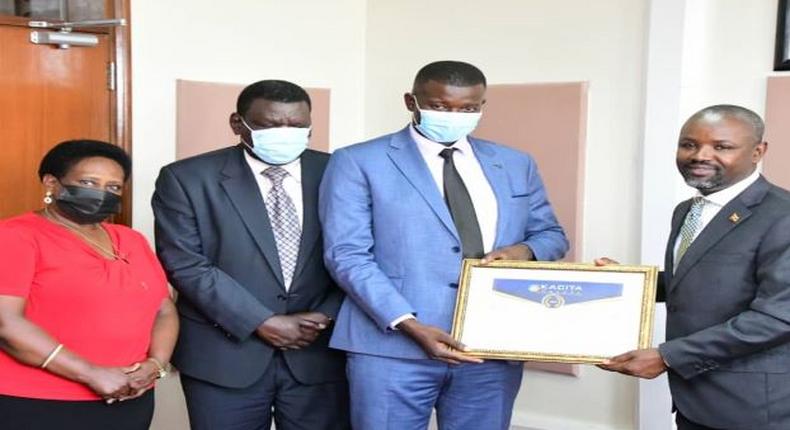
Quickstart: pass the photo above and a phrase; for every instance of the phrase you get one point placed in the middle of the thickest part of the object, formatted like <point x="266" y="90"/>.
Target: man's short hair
<point x="455" y="73"/>
<point x="61" y="158"/>
<point x="273" y="90"/>
<point x="740" y="113"/>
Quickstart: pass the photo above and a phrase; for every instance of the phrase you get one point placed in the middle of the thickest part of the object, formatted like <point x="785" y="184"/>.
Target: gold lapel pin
<point x="735" y="217"/>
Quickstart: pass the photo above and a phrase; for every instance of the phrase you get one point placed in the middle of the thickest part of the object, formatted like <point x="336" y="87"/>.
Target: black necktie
<point x="461" y="208"/>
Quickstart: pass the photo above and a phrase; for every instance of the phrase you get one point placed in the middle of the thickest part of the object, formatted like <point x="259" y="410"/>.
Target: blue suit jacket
<point x="391" y="244"/>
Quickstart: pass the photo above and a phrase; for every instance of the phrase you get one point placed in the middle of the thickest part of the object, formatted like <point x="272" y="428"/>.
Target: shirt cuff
<point x="400" y="319"/>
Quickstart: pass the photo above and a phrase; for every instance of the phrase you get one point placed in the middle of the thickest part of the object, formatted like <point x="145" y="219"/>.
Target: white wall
<point x="724" y="56"/>
<point x="514" y="41"/>
<point x="313" y="43"/>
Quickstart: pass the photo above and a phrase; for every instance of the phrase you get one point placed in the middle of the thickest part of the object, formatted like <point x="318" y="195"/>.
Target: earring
<point x="48" y="198"/>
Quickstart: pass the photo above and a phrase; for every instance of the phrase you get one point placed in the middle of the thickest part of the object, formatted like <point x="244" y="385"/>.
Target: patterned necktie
<point x="284" y="221"/>
<point x="461" y="208"/>
<point x="691" y="226"/>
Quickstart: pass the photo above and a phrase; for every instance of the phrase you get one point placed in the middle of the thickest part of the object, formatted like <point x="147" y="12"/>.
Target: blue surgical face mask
<point x="278" y="145"/>
<point x="446" y="127"/>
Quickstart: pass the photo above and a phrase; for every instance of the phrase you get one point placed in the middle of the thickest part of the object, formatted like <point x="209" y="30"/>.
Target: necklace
<point x="96" y="245"/>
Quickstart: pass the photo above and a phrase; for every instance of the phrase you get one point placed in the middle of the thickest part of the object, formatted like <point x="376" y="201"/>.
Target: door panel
<point x="47" y="95"/>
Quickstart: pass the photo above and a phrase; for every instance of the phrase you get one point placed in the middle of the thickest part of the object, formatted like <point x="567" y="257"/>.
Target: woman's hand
<point x="111" y="383"/>
<point x="143" y="375"/>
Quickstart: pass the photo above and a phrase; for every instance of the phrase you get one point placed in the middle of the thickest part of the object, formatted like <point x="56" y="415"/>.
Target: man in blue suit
<point x="399" y="213"/>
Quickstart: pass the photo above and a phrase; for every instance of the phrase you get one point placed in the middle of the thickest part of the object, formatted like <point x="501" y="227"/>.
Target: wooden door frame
<point x="121" y="108"/>
<point x="121" y="98"/>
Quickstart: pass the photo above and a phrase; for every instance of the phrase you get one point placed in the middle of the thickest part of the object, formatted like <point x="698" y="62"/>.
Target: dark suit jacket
<point x="728" y="314"/>
<point x="214" y="239"/>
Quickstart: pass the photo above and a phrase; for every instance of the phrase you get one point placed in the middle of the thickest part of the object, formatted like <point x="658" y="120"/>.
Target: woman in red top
<point x="86" y="319"/>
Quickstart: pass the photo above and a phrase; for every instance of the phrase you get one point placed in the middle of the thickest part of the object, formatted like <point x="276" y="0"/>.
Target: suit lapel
<point x="494" y="170"/>
<point x="720" y="225"/>
<point x="312" y="170"/>
<point x="404" y="153"/>
<point x="669" y="258"/>
<point x="242" y="190"/>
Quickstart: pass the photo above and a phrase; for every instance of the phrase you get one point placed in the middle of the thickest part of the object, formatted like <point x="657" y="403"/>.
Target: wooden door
<point x="48" y="95"/>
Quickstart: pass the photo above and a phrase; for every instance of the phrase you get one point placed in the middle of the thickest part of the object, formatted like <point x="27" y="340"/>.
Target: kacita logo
<point x="555" y="294"/>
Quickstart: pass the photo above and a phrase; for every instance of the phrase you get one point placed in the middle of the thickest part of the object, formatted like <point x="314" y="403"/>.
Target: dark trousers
<point x="19" y="413"/>
<point x="686" y="424"/>
<point x="277" y="394"/>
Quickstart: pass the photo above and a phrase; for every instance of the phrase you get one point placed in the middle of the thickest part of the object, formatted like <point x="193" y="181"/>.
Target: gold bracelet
<point x="52" y="356"/>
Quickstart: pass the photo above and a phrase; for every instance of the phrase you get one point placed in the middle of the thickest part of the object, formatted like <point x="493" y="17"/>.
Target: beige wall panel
<point x="777" y="131"/>
<point x="548" y="121"/>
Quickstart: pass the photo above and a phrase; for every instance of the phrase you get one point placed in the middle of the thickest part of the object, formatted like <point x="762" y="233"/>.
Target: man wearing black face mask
<point x="237" y="231"/>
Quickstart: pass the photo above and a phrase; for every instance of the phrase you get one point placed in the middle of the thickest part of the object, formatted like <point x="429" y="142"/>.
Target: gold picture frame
<point x="554" y="312"/>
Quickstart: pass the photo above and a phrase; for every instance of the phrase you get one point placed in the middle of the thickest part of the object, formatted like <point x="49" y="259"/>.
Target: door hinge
<point x="111" y="76"/>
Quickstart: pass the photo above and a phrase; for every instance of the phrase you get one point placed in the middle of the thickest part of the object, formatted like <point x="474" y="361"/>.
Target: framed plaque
<point x="554" y="312"/>
<point x="782" y="48"/>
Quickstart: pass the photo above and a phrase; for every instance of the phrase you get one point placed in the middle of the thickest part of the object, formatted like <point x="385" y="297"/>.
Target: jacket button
<point x="215" y="325"/>
<point x="452" y="285"/>
<point x="456" y="249"/>
<point x="281" y="297"/>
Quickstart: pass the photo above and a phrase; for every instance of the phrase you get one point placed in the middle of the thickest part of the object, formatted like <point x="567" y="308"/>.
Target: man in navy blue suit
<point x="399" y="213"/>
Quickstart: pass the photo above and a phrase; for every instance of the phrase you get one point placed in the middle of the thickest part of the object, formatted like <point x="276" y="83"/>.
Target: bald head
<point x="719" y="146"/>
<point x="717" y="113"/>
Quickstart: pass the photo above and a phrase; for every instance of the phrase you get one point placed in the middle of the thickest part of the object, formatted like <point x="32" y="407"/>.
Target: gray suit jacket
<point x="214" y="239"/>
<point x="728" y="314"/>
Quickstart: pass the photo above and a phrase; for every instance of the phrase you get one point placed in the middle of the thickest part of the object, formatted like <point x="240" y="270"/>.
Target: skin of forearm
<point x="29" y="344"/>
<point x="164" y="333"/>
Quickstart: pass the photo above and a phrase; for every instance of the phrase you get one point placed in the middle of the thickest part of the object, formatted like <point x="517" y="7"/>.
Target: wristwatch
<point x="161" y="370"/>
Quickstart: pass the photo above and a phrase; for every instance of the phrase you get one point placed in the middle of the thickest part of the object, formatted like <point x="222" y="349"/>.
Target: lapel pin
<point x="735" y="217"/>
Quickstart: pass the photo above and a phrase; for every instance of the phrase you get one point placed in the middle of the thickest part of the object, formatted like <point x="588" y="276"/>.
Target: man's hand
<point x="513" y="252"/>
<point x="436" y="343"/>
<point x="293" y="331"/>
<point x="642" y="363"/>
<point x="315" y="321"/>
<point x="605" y="261"/>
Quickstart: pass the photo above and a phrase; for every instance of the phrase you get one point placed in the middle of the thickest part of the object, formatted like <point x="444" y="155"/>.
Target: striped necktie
<point x="691" y="227"/>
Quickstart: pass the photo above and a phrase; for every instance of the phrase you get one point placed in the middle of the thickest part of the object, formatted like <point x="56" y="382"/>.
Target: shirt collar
<point x="428" y="146"/>
<point x="294" y="168"/>
<point x="722" y="197"/>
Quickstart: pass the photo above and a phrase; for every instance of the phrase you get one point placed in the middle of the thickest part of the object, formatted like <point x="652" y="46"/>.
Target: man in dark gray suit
<point x="726" y="283"/>
<point x="237" y="231"/>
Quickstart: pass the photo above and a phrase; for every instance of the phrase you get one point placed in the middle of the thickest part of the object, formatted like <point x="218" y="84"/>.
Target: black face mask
<point x="87" y="205"/>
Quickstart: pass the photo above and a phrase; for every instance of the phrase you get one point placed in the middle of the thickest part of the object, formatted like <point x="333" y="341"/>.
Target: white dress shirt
<point x="291" y="183"/>
<point x="483" y="197"/>
<point x="713" y="204"/>
<point x="480" y="191"/>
